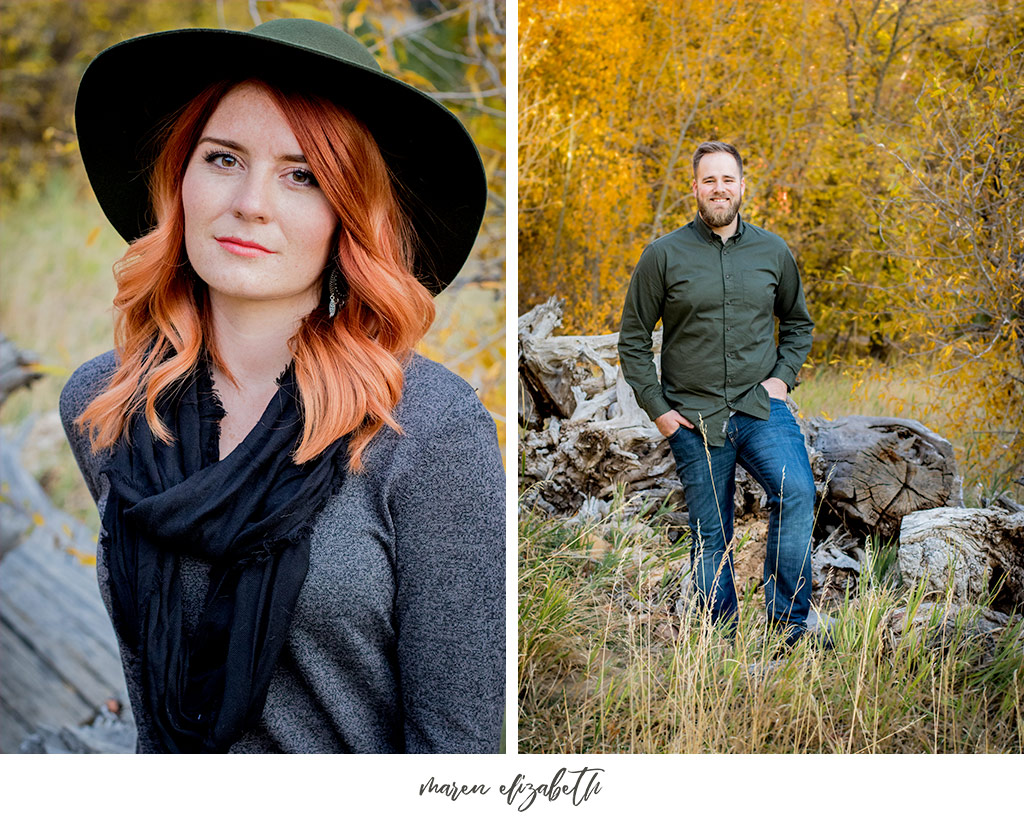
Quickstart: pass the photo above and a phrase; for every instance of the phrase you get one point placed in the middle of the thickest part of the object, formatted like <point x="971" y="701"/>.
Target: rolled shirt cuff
<point x="656" y="407"/>
<point x="784" y="373"/>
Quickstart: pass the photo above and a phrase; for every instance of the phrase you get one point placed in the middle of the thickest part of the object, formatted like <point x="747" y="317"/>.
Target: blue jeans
<point x="773" y="452"/>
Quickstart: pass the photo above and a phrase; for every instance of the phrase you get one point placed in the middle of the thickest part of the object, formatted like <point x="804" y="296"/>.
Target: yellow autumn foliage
<point x="882" y="141"/>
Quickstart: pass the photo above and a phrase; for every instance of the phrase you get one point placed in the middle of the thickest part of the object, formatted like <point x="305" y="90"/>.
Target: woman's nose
<point x="252" y="199"/>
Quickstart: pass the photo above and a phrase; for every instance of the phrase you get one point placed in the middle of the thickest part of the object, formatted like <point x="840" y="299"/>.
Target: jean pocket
<point x="780" y="413"/>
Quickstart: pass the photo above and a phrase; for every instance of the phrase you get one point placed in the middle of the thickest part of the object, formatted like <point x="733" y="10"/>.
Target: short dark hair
<point x="712" y="147"/>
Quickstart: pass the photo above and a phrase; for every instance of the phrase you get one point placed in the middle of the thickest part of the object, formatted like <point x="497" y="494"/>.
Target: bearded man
<point x="718" y="283"/>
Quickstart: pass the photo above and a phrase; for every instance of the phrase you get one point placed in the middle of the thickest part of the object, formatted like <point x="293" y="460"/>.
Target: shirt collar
<point x="708" y="234"/>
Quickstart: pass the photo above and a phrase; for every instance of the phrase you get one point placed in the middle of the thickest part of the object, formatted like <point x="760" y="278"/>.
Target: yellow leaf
<point x="82" y="557"/>
<point x="49" y="369"/>
<point x="355" y="18"/>
<point x="415" y="79"/>
<point x="307" y="10"/>
<point x="93" y="234"/>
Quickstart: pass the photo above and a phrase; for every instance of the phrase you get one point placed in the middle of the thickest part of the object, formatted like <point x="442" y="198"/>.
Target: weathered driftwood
<point x="108" y="733"/>
<point x="880" y="469"/>
<point x="585" y="437"/>
<point x="977" y="553"/>
<point x="60" y="658"/>
<point x="59" y="661"/>
<point x="16" y="368"/>
<point x="836" y="564"/>
<point x="15" y="372"/>
<point x="605" y="441"/>
<point x="558" y="374"/>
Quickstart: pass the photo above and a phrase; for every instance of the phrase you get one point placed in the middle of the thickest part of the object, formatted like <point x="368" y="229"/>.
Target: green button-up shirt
<point x="718" y="302"/>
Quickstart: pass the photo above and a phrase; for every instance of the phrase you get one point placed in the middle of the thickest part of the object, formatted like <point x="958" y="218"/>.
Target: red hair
<point x="348" y="368"/>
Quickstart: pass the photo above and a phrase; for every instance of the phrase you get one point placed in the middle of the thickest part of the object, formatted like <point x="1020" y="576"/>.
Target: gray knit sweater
<point x="398" y="638"/>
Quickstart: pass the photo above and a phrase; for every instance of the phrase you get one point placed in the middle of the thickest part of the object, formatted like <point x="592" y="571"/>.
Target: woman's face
<point x="257" y="227"/>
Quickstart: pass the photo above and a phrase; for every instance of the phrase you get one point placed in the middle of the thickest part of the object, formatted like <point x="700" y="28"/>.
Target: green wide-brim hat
<point x="130" y="89"/>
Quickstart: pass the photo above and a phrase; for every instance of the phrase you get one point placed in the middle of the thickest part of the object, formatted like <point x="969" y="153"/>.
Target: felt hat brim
<point x="133" y="87"/>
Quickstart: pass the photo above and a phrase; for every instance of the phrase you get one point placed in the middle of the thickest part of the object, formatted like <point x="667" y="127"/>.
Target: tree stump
<point x="879" y="469"/>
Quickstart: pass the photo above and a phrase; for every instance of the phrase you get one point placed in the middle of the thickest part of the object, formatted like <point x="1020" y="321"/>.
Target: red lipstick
<point x="245" y="248"/>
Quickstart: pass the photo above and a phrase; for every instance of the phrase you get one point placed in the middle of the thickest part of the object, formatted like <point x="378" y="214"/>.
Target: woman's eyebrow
<point x="238" y="147"/>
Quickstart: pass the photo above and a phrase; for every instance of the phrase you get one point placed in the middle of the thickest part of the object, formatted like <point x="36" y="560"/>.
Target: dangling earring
<point x="336" y="296"/>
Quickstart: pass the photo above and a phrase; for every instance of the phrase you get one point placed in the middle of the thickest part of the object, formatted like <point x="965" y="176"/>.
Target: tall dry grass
<point x="612" y="659"/>
<point x="606" y="666"/>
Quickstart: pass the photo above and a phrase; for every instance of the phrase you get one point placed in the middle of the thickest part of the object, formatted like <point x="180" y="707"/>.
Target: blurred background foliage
<point x="882" y="140"/>
<point x="56" y="248"/>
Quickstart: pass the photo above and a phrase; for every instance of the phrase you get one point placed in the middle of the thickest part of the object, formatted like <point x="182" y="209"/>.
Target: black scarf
<point x="250" y="516"/>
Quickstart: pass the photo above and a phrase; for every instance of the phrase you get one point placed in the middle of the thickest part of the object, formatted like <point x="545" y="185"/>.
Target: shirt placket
<point x="730" y="319"/>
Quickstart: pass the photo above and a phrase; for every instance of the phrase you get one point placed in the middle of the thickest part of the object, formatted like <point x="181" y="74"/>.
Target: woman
<point x="303" y="525"/>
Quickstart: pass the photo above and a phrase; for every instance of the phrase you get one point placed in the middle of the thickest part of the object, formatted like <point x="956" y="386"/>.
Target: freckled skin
<point x="258" y="233"/>
<point x="244" y="182"/>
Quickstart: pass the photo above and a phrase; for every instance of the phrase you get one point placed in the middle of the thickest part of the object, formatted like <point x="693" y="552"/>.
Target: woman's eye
<point x="303" y="177"/>
<point x="222" y="159"/>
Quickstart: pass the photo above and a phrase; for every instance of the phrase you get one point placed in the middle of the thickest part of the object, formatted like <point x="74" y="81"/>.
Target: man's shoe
<point x="821" y="631"/>
<point x="818" y="631"/>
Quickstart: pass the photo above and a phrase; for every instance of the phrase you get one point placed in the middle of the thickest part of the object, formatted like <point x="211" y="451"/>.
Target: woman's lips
<point x="245" y="248"/>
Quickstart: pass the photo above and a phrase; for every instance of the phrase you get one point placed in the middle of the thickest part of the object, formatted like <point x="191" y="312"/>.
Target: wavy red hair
<point x="349" y="368"/>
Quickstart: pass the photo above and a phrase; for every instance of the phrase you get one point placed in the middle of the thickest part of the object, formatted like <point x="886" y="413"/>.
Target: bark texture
<point x="880" y="469"/>
<point x="978" y="552"/>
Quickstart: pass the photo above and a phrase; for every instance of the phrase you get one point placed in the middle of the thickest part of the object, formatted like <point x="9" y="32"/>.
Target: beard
<point x="717" y="215"/>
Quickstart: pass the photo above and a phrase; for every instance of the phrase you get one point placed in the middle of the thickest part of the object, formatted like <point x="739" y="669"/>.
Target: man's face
<point x="719" y="189"/>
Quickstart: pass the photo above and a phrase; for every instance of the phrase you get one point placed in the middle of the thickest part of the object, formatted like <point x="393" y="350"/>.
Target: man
<point x="718" y="284"/>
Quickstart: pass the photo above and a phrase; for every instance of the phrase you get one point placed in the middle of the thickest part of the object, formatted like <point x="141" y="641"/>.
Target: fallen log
<point x="585" y="440"/>
<point x="879" y="469"/>
<point x="111" y="732"/>
<point x="975" y="554"/>
<point x="947" y="628"/>
<point x="585" y="436"/>
<point x="60" y="659"/>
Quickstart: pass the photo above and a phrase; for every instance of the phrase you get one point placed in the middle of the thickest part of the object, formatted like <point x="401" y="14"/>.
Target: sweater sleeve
<point x="449" y="517"/>
<point x="85" y="383"/>
<point x="640" y="313"/>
